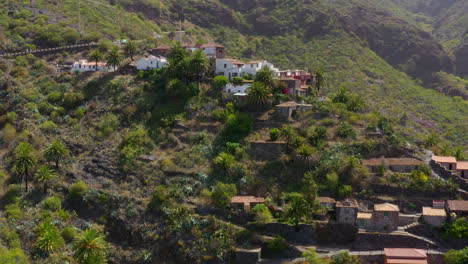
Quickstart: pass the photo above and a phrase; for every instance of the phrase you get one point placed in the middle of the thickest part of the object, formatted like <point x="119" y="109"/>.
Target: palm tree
<point x="320" y="81"/>
<point x="44" y="175"/>
<point x="114" y="58"/>
<point x="130" y="49"/>
<point x="90" y="248"/>
<point x="305" y="153"/>
<point x="95" y="56"/>
<point x="56" y="152"/>
<point x="287" y="132"/>
<point x="48" y="237"/>
<point x="266" y="76"/>
<point x="25" y="160"/>
<point x="259" y="94"/>
<point x="199" y="64"/>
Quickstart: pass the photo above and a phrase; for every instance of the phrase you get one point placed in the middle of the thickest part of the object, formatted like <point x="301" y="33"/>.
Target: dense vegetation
<point x="119" y="166"/>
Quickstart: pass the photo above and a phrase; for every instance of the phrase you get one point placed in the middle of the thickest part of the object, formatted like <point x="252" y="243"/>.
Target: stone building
<point x="385" y="217"/>
<point x="289" y="109"/>
<point x="403" y="165"/>
<point x="434" y="216"/>
<point x="365" y="220"/>
<point x="457" y="208"/>
<point x="346" y="211"/>
<point x="327" y="202"/>
<point x="245" y="203"/>
<point x="450" y="163"/>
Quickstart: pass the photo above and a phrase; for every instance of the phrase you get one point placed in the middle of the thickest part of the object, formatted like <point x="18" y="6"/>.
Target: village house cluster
<point x="296" y="82"/>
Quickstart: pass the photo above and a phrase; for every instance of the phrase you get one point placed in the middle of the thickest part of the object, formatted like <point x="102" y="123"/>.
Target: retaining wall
<point x="447" y="174"/>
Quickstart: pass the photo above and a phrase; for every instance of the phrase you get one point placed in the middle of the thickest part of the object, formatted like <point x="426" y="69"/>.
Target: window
<point x="362" y="222"/>
<point x="225" y="66"/>
<point x="385" y="213"/>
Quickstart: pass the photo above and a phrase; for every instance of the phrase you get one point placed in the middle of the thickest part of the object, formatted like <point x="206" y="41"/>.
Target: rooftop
<point x="348" y="203"/>
<point x="234" y="61"/>
<point x="287" y="104"/>
<point x="462" y="165"/>
<point x="405" y="253"/>
<point x="326" y="200"/>
<point x="442" y="159"/>
<point x="457" y="205"/>
<point x="392" y="162"/>
<point x="386" y="207"/>
<point x="247" y="199"/>
<point x="364" y="215"/>
<point x="429" y="211"/>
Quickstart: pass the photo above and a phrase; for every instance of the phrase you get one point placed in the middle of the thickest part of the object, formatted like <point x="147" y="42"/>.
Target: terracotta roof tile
<point x="326" y="200"/>
<point x="429" y="211"/>
<point x="457" y="205"/>
<point x="441" y="159"/>
<point x="406" y="253"/>
<point x="462" y="165"/>
<point x="386" y="207"/>
<point x="364" y="215"/>
<point x="247" y="199"/>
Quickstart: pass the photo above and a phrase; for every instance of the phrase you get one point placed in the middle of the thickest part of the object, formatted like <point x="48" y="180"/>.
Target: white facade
<point x="86" y="66"/>
<point x="229" y="67"/>
<point x="151" y="62"/>
<point x="233" y="68"/>
<point x="254" y="66"/>
<point x="232" y="88"/>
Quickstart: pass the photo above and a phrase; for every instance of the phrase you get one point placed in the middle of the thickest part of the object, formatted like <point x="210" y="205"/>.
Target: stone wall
<point x="405" y="220"/>
<point x="385" y="221"/>
<point x="447" y="174"/>
<point x="305" y="234"/>
<point x="248" y="256"/>
<point x="379" y="241"/>
<point x="263" y="150"/>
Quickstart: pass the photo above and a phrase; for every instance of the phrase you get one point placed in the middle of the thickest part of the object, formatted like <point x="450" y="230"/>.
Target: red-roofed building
<point x="449" y="163"/>
<point x="245" y="203"/>
<point x="462" y="167"/>
<point x="405" y="256"/>
<point x="211" y="50"/>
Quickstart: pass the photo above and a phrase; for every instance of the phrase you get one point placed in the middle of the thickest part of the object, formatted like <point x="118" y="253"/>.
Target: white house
<point x="232" y="88"/>
<point x="252" y="67"/>
<point x="229" y="67"/>
<point x="86" y="66"/>
<point x="151" y="62"/>
<point x="234" y="68"/>
<point x="211" y="50"/>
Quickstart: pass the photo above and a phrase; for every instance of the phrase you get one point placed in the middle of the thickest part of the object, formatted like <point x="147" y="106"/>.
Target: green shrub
<point x="12" y="116"/>
<point x="13" y="211"/>
<point x="220" y="81"/>
<point x="274" y="134"/>
<point x="345" y="191"/>
<point x="159" y="198"/>
<point x="54" y="97"/>
<point x="72" y="100"/>
<point x="49" y="127"/>
<point x="12" y="195"/>
<point x="222" y="194"/>
<point x="345" y="130"/>
<point x="69" y="233"/>
<point x="238" y="80"/>
<point x="262" y="214"/>
<point x="53" y="203"/>
<point x="107" y="125"/>
<point x="277" y="245"/>
<point x="77" y="190"/>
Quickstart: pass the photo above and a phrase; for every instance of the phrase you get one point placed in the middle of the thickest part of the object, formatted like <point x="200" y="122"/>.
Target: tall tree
<point x="44" y="175"/>
<point x="199" y="64"/>
<point x="297" y="209"/>
<point x="266" y="76"/>
<point x="25" y="160"/>
<point x="114" y="58"/>
<point x="96" y="56"/>
<point x="178" y="62"/>
<point x="130" y="49"/>
<point x="90" y="248"/>
<point x="259" y="94"/>
<point x="310" y="189"/>
<point x="56" y="152"/>
<point x="320" y="81"/>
